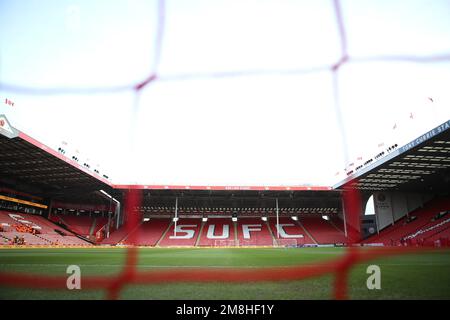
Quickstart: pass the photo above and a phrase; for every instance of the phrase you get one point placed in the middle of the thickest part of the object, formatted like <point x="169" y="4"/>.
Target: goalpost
<point x="224" y="243"/>
<point x="288" y="243"/>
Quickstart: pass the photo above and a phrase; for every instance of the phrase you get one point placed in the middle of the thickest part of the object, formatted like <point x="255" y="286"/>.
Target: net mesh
<point x="224" y="243"/>
<point x="288" y="242"/>
<point x="129" y="274"/>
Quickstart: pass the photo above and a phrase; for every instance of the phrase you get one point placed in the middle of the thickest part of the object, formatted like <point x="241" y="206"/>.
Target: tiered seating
<point x="79" y="224"/>
<point x="100" y="222"/>
<point x="6" y="220"/>
<point x="429" y="230"/>
<point x="259" y="237"/>
<point x="292" y="229"/>
<point x="47" y="227"/>
<point x="49" y="233"/>
<point x="321" y="230"/>
<point x="393" y="234"/>
<point x="442" y="235"/>
<point x="216" y="229"/>
<point x="28" y="237"/>
<point x="66" y="240"/>
<point x="148" y="233"/>
<point x="338" y="222"/>
<point x="116" y="236"/>
<point x="82" y="225"/>
<point x="187" y="237"/>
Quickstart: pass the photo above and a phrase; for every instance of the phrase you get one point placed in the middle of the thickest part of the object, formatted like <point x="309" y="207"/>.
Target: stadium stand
<point x="423" y="226"/>
<point x="6" y="220"/>
<point x="98" y="224"/>
<point x="322" y="230"/>
<point x="115" y="237"/>
<point x="291" y="228"/>
<point x="68" y="240"/>
<point x="148" y="233"/>
<point x="254" y="232"/>
<point x="35" y="230"/>
<point x="188" y="231"/>
<point x="86" y="226"/>
<point x="29" y="239"/>
<point x="434" y="230"/>
<point x="416" y="228"/>
<point x="441" y="238"/>
<point x="215" y="230"/>
<point x="250" y="232"/>
<point x="80" y="225"/>
<point x="337" y="222"/>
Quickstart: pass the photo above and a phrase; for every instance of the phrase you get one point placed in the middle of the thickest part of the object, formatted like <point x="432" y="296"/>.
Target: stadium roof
<point x="420" y="165"/>
<point x="26" y="159"/>
<point x="27" y="162"/>
<point x="242" y="198"/>
<point x="225" y="188"/>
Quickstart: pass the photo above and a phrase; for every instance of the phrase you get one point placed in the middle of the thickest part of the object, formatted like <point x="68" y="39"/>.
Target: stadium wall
<point x="392" y="206"/>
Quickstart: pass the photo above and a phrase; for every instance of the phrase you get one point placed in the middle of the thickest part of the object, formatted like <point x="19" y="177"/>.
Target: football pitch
<point x="411" y="276"/>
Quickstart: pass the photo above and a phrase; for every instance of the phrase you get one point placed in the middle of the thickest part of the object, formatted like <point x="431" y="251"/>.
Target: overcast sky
<point x="265" y="125"/>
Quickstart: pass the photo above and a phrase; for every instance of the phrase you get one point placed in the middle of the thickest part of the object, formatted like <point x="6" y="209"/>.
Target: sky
<point x="230" y="105"/>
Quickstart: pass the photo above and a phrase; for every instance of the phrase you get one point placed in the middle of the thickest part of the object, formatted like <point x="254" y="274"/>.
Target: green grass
<point x="412" y="276"/>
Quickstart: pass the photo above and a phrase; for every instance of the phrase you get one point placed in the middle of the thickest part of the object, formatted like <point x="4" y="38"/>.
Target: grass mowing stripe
<point x="414" y="276"/>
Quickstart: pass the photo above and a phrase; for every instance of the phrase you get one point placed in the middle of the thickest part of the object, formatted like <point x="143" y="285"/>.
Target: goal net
<point x="247" y="243"/>
<point x="288" y="243"/>
<point x="224" y="243"/>
<point x="330" y="69"/>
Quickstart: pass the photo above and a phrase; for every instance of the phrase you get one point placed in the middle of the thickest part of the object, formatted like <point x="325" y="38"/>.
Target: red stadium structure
<point x="74" y="205"/>
<point x="49" y="200"/>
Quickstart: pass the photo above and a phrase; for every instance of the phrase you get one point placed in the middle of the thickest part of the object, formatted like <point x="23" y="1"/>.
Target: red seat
<point x="217" y="231"/>
<point x="393" y="234"/>
<point x="186" y="235"/>
<point x="253" y="232"/>
<point x="322" y="230"/>
<point x="290" y="227"/>
<point x="148" y="233"/>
